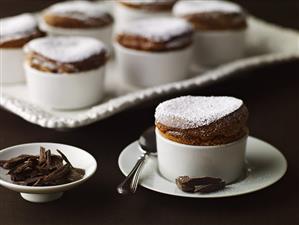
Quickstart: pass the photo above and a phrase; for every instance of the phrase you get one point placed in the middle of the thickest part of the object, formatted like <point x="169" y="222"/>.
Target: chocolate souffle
<point x="77" y="14"/>
<point x="212" y="15"/>
<point x="65" y="55"/>
<point x="156" y="35"/>
<point x="202" y="121"/>
<point x="16" y="31"/>
<point x="149" y="5"/>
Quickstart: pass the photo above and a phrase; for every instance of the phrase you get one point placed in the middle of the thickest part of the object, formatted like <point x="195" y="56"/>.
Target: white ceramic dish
<point x="265" y="166"/>
<point x="78" y="157"/>
<point x="102" y="34"/>
<point x="263" y="48"/>
<point x="61" y="91"/>
<point x="146" y="69"/>
<point x="223" y="161"/>
<point x="11" y="63"/>
<point x="124" y="15"/>
<point x="215" y="48"/>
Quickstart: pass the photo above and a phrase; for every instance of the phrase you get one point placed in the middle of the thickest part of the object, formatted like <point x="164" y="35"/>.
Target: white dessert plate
<point x="263" y="47"/>
<point x="265" y="166"/>
<point x="78" y="158"/>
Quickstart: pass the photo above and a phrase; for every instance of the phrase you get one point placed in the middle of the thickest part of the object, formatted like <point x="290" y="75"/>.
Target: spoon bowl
<point x="147" y="141"/>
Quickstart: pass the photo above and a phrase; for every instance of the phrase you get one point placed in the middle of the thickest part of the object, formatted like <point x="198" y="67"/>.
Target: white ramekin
<point x="212" y="48"/>
<point x="103" y="34"/>
<point x="65" y="91"/>
<point x="124" y="15"/>
<point x="147" y="69"/>
<point x="222" y="161"/>
<point x="11" y="65"/>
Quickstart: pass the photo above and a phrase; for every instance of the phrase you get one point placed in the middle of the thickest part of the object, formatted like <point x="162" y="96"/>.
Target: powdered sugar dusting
<point x="78" y="9"/>
<point x="189" y="112"/>
<point x="17" y="26"/>
<point x="158" y="29"/>
<point x="187" y="7"/>
<point x="65" y="49"/>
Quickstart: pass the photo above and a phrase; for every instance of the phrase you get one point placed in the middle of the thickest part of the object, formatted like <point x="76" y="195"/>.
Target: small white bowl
<point x="11" y="63"/>
<point x="124" y="15"/>
<point x="222" y="161"/>
<point x="212" y="48"/>
<point x="102" y="34"/>
<point x="78" y="157"/>
<point x="65" y="91"/>
<point x="148" y="69"/>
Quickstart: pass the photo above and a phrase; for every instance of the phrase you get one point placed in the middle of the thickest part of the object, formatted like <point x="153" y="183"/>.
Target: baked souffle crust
<point x="21" y="41"/>
<point x="65" y="55"/>
<point x="224" y="130"/>
<point x="217" y="21"/>
<point x="156" y="35"/>
<point x="41" y="63"/>
<point x="16" y="31"/>
<point x="67" y="22"/>
<point x="145" y="44"/>
<point x="212" y="15"/>
<point x="153" y="5"/>
<point x="77" y="14"/>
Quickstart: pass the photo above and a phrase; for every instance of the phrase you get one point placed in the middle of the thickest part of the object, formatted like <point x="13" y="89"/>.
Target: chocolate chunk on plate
<point x="201" y="184"/>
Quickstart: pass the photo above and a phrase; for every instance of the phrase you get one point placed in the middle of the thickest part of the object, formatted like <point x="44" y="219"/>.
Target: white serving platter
<point x="266" y="44"/>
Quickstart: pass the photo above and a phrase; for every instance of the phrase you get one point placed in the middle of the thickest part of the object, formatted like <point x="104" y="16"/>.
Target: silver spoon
<point x="147" y="145"/>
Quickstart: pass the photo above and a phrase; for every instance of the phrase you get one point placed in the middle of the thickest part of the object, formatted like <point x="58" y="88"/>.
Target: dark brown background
<point x="272" y="96"/>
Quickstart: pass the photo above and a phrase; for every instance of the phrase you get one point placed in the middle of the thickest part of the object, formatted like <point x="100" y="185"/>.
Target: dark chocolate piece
<point x="57" y="174"/>
<point x="201" y="184"/>
<point x="28" y="165"/>
<point x="56" y="161"/>
<point x="29" y="181"/>
<point x="75" y="174"/>
<point x="64" y="157"/>
<point x="8" y="164"/>
<point x="210" y="187"/>
<point x="48" y="158"/>
<point x="42" y="156"/>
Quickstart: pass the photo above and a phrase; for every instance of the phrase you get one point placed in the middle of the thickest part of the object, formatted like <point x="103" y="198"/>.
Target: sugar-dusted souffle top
<point x="77" y="14"/>
<point x="156" y="34"/>
<point x="211" y="15"/>
<point x="65" y="55"/>
<point x="18" y="30"/>
<point x="204" y="121"/>
<point x="149" y="5"/>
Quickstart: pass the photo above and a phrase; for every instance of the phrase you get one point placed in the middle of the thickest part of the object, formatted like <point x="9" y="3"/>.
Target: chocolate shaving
<point x="48" y="158"/>
<point x="75" y="174"/>
<point x="26" y="166"/>
<point x="29" y="181"/>
<point x="56" y="161"/>
<point x="43" y="170"/>
<point x="42" y="156"/>
<point x="64" y="157"/>
<point x="9" y="164"/>
<point x="201" y="184"/>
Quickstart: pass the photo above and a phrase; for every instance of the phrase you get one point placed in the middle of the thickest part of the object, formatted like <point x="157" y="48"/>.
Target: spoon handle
<point x="126" y="186"/>
<point x="135" y="180"/>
